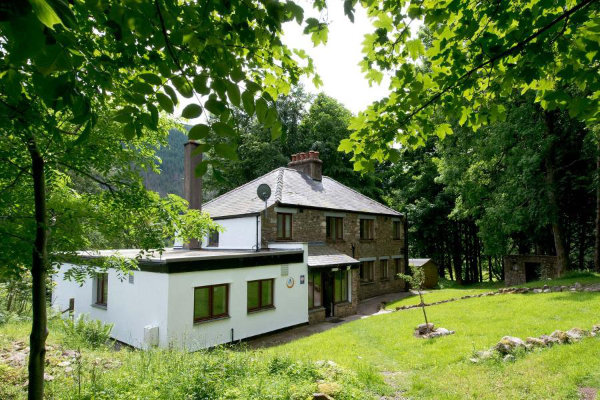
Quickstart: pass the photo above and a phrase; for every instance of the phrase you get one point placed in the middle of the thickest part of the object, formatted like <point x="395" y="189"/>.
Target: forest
<point x="470" y="198"/>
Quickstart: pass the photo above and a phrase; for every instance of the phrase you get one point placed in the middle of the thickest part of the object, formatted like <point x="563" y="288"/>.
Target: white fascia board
<point x="286" y="210"/>
<point x="335" y="214"/>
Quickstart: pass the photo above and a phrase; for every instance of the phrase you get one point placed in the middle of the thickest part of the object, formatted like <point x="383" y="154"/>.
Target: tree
<point x="308" y="123"/>
<point x="67" y="65"/>
<point x="478" y="55"/>
<point x="416" y="280"/>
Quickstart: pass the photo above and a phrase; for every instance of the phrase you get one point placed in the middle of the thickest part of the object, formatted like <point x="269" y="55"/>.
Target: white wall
<point x="291" y="305"/>
<point x="167" y="301"/>
<point x="239" y="233"/>
<point x="130" y="306"/>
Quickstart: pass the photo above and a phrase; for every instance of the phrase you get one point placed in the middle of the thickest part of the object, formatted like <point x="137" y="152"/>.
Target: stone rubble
<point x="576" y="287"/>
<point x="423" y="332"/>
<point x="509" y="346"/>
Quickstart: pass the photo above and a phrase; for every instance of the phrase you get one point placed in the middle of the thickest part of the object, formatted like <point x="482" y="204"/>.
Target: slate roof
<point x="321" y="255"/>
<point x="294" y="188"/>
<point x="418" y="262"/>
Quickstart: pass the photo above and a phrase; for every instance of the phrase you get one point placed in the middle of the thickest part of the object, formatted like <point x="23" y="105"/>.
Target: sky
<point x="337" y="61"/>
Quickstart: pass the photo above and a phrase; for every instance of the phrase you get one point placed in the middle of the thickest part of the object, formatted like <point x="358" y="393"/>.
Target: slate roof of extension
<point x="321" y="255"/>
<point x="293" y="188"/>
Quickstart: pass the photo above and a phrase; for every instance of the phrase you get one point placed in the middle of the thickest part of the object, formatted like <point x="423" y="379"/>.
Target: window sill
<point x="365" y="283"/>
<point x="284" y="240"/>
<point x="204" y="321"/>
<point x="366" y="240"/>
<point x="384" y="280"/>
<point x="259" y="310"/>
<point x="100" y="306"/>
<point x="335" y="240"/>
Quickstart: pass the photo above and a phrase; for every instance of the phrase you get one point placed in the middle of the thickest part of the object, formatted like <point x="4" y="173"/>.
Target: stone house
<point x="356" y="246"/>
<point x="312" y="250"/>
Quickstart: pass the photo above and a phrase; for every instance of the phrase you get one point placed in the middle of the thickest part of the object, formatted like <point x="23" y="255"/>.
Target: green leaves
<point x="248" y="102"/>
<point x="226" y="151"/>
<point x="442" y="130"/>
<point x="183" y="86"/>
<point x="200" y="84"/>
<point x="152" y="79"/>
<point x="199" y="131"/>
<point x="165" y="102"/>
<point x="317" y="30"/>
<point x="261" y="110"/>
<point x="45" y="13"/>
<point x="415" y="48"/>
<point x="215" y="106"/>
<point x="223" y="129"/>
<point x="191" y="111"/>
<point x="169" y="90"/>
<point x="233" y="92"/>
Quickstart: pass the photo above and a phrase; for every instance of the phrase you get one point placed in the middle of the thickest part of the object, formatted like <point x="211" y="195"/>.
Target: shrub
<point x="91" y="333"/>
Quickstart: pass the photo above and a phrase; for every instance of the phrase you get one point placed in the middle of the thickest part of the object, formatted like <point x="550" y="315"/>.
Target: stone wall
<point x="309" y="225"/>
<point x="515" y="271"/>
<point x="316" y="315"/>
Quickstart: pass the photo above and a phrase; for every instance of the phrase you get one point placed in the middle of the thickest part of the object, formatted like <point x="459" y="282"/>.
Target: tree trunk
<point x="39" y="328"/>
<point x="456" y="254"/>
<point x="557" y="229"/>
<point x="424" y="313"/>
<point x="490" y="273"/>
<point x="597" y="244"/>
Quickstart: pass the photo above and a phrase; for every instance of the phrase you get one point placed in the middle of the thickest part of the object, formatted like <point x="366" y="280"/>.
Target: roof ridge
<point x="279" y="186"/>
<point x="362" y="195"/>
<point x="241" y="186"/>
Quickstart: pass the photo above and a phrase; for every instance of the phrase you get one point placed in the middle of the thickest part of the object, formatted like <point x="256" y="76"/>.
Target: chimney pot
<point x="308" y="163"/>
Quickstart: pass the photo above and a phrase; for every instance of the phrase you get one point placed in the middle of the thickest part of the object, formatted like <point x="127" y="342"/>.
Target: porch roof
<point x="321" y="256"/>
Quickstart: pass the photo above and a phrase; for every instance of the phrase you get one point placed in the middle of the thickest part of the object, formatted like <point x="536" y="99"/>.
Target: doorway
<point x="327" y="285"/>
<point x="532" y="271"/>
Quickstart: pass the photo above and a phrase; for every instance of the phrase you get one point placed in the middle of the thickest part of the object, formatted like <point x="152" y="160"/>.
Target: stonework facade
<point x="519" y="269"/>
<point x="310" y="225"/>
<point x="341" y="309"/>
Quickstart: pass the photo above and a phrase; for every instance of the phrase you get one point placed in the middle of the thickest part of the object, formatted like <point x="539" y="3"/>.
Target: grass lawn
<point x="449" y="289"/>
<point x="375" y="356"/>
<point x="440" y="368"/>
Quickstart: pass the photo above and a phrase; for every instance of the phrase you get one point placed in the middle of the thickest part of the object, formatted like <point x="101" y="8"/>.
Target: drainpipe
<point x="257" y="249"/>
<point x="405" y="243"/>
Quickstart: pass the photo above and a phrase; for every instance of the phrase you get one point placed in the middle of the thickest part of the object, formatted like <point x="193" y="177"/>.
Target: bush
<point x="90" y="333"/>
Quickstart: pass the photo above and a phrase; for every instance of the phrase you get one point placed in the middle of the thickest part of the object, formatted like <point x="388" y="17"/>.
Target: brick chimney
<point x="192" y="185"/>
<point x="309" y="163"/>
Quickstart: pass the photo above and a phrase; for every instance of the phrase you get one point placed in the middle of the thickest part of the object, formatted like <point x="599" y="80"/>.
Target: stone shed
<point x="430" y="268"/>
<point x="522" y="268"/>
